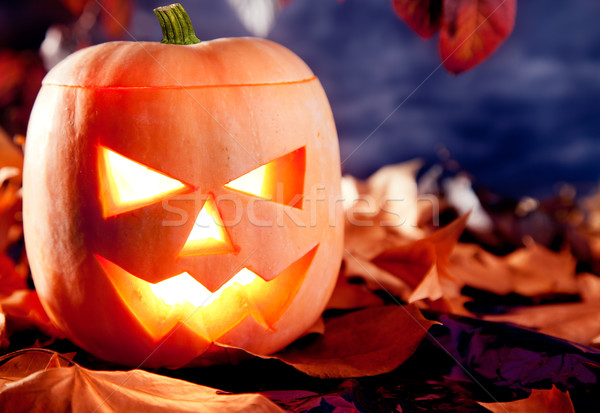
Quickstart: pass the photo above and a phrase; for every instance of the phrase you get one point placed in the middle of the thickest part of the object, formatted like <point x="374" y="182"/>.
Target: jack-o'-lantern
<point x="182" y="197"/>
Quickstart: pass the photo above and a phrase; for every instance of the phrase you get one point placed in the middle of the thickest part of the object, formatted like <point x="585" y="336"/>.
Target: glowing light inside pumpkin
<point x="250" y="183"/>
<point x="205" y="227"/>
<point x="208" y="235"/>
<point x="183" y="288"/>
<point x="281" y="180"/>
<point x="160" y="306"/>
<point x="128" y="185"/>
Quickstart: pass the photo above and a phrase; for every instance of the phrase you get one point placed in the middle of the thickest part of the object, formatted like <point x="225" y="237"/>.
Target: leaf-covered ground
<point x="417" y="322"/>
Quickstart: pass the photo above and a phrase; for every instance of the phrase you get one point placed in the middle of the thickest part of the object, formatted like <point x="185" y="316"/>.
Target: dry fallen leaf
<point x="539" y="270"/>
<point x="3" y="336"/>
<point x="23" y="310"/>
<point x="579" y="322"/>
<point x="76" y="389"/>
<point x="589" y="287"/>
<point x="422" y="262"/>
<point x="530" y="271"/>
<point x="363" y="343"/>
<point x="19" y="364"/>
<point x="387" y="202"/>
<point x="476" y="267"/>
<point x="10" y="205"/>
<point x="347" y="295"/>
<point x="10" y="154"/>
<point x="396" y="198"/>
<point x="552" y="400"/>
<point x="381" y="213"/>
<point x="358" y="263"/>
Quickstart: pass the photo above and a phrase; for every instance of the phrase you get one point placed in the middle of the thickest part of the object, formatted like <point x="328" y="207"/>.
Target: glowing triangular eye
<point x="252" y="183"/>
<point x="126" y="185"/>
<point x="208" y="235"/>
<point x="281" y="180"/>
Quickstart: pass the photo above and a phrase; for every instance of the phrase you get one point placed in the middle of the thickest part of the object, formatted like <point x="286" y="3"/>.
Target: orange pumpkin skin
<point x="203" y="115"/>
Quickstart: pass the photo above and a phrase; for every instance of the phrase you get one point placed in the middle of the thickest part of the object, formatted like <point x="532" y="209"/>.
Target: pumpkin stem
<point x="176" y="25"/>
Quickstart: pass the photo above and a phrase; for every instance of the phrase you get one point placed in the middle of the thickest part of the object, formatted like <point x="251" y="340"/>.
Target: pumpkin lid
<point x="220" y="62"/>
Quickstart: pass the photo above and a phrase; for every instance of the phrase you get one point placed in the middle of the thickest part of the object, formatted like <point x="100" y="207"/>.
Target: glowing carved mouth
<point x="183" y="287"/>
<point x="181" y="299"/>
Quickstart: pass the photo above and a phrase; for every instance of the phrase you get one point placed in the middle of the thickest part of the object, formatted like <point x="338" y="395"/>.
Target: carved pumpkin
<point x="177" y="196"/>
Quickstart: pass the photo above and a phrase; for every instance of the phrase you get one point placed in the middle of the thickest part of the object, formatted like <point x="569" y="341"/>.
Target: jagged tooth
<point x="183" y="333"/>
<point x="246" y="302"/>
<point x="159" y="330"/>
<point x="254" y="311"/>
<point x="195" y="321"/>
<point x="225" y="312"/>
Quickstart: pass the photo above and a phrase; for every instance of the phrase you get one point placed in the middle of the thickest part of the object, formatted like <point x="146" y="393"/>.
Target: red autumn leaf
<point x="3" y="335"/>
<point x="22" y="363"/>
<point x="445" y="239"/>
<point x="363" y="343"/>
<point x="115" y="16"/>
<point x="348" y="296"/>
<point x="10" y="154"/>
<point x="530" y="271"/>
<point x="473" y="29"/>
<point x="422" y="262"/>
<point x="374" y="277"/>
<point x="77" y="389"/>
<point x="552" y="400"/>
<point x="10" y="207"/>
<point x="75" y="6"/>
<point x="23" y="310"/>
<point x="414" y="263"/>
<point x="476" y="267"/>
<point x="538" y="270"/>
<point x="578" y="322"/>
<point x="423" y="16"/>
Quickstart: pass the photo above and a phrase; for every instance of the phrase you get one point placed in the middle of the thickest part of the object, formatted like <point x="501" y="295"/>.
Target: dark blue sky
<point x="524" y="120"/>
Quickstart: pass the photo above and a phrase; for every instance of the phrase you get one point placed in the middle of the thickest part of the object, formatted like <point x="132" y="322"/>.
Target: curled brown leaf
<point x="579" y="322"/>
<point x="531" y="271"/>
<point x="363" y="343"/>
<point x="23" y="310"/>
<point x="422" y="262"/>
<point x="33" y="383"/>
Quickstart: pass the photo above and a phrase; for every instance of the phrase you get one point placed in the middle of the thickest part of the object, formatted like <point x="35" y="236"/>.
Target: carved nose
<point x="208" y="235"/>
